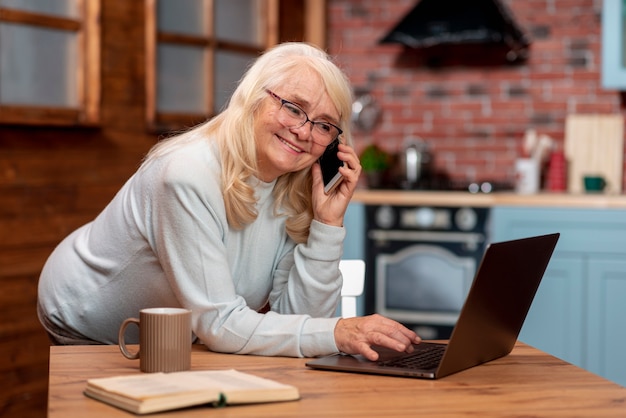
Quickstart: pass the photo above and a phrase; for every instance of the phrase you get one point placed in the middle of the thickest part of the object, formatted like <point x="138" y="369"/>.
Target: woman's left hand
<point x="331" y="208"/>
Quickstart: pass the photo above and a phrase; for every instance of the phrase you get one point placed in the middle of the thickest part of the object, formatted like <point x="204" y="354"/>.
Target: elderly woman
<point x="225" y="219"/>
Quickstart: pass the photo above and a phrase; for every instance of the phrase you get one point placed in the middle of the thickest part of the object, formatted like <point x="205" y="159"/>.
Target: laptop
<point x="489" y="323"/>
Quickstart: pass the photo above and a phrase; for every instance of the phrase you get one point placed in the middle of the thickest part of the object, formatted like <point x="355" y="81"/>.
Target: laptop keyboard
<point x="425" y="357"/>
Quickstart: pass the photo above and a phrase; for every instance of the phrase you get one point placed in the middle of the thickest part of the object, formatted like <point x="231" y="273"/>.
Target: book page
<point x="233" y="379"/>
<point x="150" y="385"/>
<point x="230" y="386"/>
<point x="238" y="387"/>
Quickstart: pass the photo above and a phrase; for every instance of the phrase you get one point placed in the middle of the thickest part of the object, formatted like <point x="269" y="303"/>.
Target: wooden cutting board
<point x="594" y="145"/>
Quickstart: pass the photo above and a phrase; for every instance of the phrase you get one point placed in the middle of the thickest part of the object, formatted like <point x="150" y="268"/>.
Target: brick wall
<point x="474" y="116"/>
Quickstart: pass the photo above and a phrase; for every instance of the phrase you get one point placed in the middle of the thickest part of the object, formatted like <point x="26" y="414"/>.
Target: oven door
<point x="423" y="284"/>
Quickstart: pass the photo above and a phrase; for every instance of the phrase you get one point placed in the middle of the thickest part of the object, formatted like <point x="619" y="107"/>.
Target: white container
<point x="526" y="176"/>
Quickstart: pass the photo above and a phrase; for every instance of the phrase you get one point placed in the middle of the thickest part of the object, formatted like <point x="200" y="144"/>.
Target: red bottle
<point x="557" y="172"/>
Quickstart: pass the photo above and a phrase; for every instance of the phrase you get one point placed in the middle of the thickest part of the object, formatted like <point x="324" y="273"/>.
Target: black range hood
<point x="434" y="24"/>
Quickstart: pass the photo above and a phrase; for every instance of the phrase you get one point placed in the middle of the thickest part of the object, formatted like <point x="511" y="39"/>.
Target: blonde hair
<point x="233" y="130"/>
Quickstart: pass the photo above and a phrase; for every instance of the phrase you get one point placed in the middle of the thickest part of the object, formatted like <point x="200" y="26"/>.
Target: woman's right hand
<point x="357" y="335"/>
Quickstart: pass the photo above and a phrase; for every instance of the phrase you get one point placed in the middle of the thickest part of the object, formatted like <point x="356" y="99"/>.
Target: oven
<point x="421" y="263"/>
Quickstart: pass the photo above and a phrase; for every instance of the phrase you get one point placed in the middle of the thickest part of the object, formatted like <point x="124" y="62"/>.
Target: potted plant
<point x="375" y="162"/>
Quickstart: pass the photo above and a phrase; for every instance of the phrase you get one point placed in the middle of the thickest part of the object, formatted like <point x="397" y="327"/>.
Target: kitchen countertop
<point x="447" y="198"/>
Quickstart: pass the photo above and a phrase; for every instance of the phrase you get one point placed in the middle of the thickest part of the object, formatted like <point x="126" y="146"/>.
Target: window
<point x="197" y="50"/>
<point x="49" y="62"/>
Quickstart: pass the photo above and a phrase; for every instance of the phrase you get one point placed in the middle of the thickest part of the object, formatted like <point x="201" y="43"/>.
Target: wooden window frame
<point x="314" y="30"/>
<point x="164" y="121"/>
<point x="315" y="22"/>
<point x="87" y="27"/>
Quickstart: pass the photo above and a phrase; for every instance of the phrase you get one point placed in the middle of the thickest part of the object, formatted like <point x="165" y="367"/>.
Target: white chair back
<point x="353" y="272"/>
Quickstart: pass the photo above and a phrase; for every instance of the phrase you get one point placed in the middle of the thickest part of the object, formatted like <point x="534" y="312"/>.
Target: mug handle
<point x="122" y="341"/>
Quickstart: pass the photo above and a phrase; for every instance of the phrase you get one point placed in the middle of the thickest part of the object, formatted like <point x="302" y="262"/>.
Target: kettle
<point x="413" y="164"/>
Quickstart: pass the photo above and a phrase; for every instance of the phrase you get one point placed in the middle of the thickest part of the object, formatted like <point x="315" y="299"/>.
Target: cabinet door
<point x="353" y="246"/>
<point x="614" y="44"/>
<point x="606" y="335"/>
<point x="354" y="222"/>
<point x="554" y="322"/>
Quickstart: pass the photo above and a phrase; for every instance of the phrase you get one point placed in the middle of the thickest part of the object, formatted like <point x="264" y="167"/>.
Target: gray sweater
<point x="164" y="241"/>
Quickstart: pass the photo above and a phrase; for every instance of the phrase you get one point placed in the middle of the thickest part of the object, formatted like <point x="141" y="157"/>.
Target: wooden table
<point x="527" y="383"/>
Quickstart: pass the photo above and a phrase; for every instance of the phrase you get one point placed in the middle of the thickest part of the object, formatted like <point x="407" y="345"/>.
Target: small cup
<point x="527" y="176"/>
<point x="164" y="339"/>
<point x="594" y="184"/>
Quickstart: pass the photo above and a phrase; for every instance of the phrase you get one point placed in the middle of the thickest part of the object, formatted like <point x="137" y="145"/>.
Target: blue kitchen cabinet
<point x="353" y="247"/>
<point x="579" y="309"/>
<point x="561" y="294"/>
<point x="354" y="222"/>
<point x="613" y="44"/>
<point x="606" y="338"/>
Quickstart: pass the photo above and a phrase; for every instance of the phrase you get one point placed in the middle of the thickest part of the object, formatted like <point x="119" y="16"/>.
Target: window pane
<point x="37" y="66"/>
<point x="181" y="79"/>
<point x="238" y="20"/>
<point x="229" y="68"/>
<point x="65" y="8"/>
<point x="182" y="16"/>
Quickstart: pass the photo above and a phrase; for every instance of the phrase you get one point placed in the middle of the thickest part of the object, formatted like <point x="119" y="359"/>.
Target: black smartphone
<point x="330" y="163"/>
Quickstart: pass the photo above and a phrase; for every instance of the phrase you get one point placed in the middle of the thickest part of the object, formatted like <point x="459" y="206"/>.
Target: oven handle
<point x="395" y="235"/>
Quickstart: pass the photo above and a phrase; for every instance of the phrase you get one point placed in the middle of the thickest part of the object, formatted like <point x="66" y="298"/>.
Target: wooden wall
<point x="53" y="180"/>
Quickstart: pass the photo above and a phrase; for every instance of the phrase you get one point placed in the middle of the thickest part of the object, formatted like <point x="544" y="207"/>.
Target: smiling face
<point x="280" y="149"/>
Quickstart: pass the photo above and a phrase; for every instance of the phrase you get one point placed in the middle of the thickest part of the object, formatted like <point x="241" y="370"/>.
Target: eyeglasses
<point x="293" y="116"/>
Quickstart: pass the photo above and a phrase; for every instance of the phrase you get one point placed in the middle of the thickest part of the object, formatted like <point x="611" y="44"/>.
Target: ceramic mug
<point x="527" y="176"/>
<point x="164" y="339"/>
<point x="594" y="183"/>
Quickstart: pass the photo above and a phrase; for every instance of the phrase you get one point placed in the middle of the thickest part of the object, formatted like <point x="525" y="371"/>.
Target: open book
<point x="152" y="392"/>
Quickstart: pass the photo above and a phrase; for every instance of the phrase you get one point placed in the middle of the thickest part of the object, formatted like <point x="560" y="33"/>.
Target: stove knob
<point x="466" y="219"/>
<point x="385" y="217"/>
<point x="425" y="217"/>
